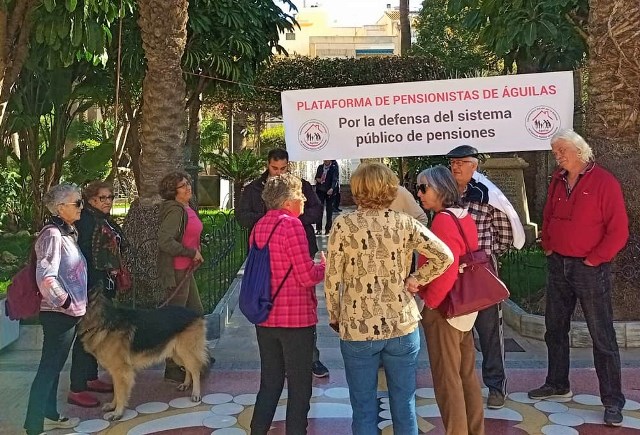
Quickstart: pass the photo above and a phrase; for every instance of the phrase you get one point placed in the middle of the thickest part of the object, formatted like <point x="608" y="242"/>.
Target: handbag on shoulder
<point x="477" y="287"/>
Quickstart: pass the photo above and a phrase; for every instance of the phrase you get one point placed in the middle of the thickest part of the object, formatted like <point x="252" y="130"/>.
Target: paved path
<point x="229" y="393"/>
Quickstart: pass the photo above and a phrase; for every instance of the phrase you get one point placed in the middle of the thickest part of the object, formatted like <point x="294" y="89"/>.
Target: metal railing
<point x="224" y="248"/>
<point x="524" y="272"/>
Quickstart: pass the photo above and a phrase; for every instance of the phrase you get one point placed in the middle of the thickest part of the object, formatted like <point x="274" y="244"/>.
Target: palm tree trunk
<point x="163" y="26"/>
<point x="405" y="28"/>
<point x="613" y="123"/>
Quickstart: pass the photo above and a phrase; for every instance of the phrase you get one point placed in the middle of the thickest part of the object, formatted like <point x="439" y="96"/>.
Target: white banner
<point x="504" y="113"/>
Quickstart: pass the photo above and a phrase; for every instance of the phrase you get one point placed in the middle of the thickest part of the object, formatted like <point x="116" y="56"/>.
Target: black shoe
<point x="612" y="416"/>
<point x="339" y="210"/>
<point x="319" y="370"/>
<point x="318" y="232"/>
<point x="326" y="232"/>
<point x="547" y="391"/>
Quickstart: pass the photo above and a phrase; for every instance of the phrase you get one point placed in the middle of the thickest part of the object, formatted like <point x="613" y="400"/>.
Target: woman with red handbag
<point x="100" y="239"/>
<point x="450" y="341"/>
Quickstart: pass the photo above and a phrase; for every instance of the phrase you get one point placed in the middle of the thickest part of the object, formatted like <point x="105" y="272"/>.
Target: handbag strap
<point x="455" y="219"/>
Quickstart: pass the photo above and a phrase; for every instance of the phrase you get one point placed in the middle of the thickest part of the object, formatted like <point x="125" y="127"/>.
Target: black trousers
<point x="327" y="201"/>
<point x="284" y="351"/>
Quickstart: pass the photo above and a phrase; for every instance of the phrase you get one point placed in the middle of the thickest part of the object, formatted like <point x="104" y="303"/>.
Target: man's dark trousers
<point x="327" y="201"/>
<point x="569" y="280"/>
<point x="490" y="334"/>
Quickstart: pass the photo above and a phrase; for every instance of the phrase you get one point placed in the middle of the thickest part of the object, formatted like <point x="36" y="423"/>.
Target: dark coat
<point x="99" y="245"/>
<point x="330" y="181"/>
<point x="251" y="208"/>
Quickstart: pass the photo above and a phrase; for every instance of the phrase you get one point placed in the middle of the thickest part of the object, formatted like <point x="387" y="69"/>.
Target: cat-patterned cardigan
<point x="368" y="259"/>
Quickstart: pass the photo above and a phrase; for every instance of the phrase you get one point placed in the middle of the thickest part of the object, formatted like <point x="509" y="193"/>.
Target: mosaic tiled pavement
<point x="229" y="396"/>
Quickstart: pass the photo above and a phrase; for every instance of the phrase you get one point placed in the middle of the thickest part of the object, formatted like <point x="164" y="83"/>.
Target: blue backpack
<point x="255" y="291"/>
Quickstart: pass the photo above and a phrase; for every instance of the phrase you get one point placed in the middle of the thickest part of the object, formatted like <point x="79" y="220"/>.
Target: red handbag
<point x="477" y="286"/>
<point x="123" y="279"/>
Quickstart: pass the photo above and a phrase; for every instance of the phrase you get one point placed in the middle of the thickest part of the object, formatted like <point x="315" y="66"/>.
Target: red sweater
<point x="296" y="304"/>
<point x="446" y="230"/>
<point x="591" y="223"/>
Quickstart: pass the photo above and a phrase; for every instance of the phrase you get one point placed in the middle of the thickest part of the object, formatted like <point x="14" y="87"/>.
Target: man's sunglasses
<point x="78" y="204"/>
<point x="422" y="188"/>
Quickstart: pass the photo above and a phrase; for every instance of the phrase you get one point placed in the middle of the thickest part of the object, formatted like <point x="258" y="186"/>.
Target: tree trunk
<point x="15" y="29"/>
<point x="163" y="27"/>
<point x="405" y="28"/>
<point x="613" y="124"/>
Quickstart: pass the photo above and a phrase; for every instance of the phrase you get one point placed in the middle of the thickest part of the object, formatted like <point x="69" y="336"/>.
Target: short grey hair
<point x="280" y="188"/>
<point x="440" y="179"/>
<point x="57" y="195"/>
<point x="585" y="153"/>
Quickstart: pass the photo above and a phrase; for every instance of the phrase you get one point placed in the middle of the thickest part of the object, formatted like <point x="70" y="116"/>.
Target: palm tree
<point x="405" y="27"/>
<point x="613" y="121"/>
<point x="163" y="27"/>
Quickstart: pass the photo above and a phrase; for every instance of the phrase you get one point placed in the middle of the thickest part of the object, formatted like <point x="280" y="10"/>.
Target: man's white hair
<point x="585" y="153"/>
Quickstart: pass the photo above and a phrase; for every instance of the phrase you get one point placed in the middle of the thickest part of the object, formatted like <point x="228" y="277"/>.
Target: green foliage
<point x="311" y="73"/>
<point x="272" y="138"/>
<point x="11" y="195"/>
<point x="213" y="134"/>
<point x="538" y="35"/>
<point x="240" y="167"/>
<point x="74" y="31"/>
<point x="414" y="165"/>
<point x="444" y="37"/>
<point x="90" y="158"/>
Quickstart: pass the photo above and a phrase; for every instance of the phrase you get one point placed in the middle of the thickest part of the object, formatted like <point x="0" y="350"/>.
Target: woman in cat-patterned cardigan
<point x="369" y="297"/>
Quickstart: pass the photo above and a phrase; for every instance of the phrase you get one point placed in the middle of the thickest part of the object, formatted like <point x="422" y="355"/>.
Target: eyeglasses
<point x="422" y="188"/>
<point x="186" y="184"/>
<point x="78" y="204"/>
<point x="106" y="198"/>
<point x="453" y="163"/>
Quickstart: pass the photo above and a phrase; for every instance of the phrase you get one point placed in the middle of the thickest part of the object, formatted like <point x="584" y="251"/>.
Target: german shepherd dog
<point x="125" y="341"/>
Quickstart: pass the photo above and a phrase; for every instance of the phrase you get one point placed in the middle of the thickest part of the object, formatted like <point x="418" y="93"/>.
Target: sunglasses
<point x="422" y="188"/>
<point x="106" y="198"/>
<point x="78" y="204"/>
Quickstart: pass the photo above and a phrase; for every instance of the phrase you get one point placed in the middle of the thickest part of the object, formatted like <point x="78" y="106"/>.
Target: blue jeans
<point x="361" y="361"/>
<point x="58" y="330"/>
<point x="569" y="280"/>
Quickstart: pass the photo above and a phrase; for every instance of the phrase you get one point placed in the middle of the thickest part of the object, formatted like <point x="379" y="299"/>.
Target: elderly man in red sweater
<point x="584" y="226"/>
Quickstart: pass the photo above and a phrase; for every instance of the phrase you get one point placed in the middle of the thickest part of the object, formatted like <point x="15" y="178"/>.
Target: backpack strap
<point x="290" y="267"/>
<point x="455" y="219"/>
<point x="281" y="284"/>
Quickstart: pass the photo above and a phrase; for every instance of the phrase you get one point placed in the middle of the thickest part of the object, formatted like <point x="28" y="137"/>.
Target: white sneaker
<point x="61" y="423"/>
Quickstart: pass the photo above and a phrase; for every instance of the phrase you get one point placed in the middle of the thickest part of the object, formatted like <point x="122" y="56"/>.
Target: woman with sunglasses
<point x="61" y="275"/>
<point x="100" y="239"/>
<point x="178" y="250"/>
<point x="450" y="341"/>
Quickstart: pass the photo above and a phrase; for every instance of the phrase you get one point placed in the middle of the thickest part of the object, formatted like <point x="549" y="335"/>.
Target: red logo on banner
<point x="313" y="135"/>
<point x="542" y="122"/>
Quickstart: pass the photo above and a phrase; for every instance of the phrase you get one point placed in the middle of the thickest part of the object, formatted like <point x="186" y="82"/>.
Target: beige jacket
<point x="368" y="259"/>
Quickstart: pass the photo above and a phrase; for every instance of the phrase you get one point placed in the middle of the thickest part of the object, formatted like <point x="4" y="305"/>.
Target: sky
<point x="355" y="12"/>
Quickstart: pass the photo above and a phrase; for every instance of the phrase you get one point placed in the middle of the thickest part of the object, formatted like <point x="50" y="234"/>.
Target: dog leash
<point x="187" y="275"/>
